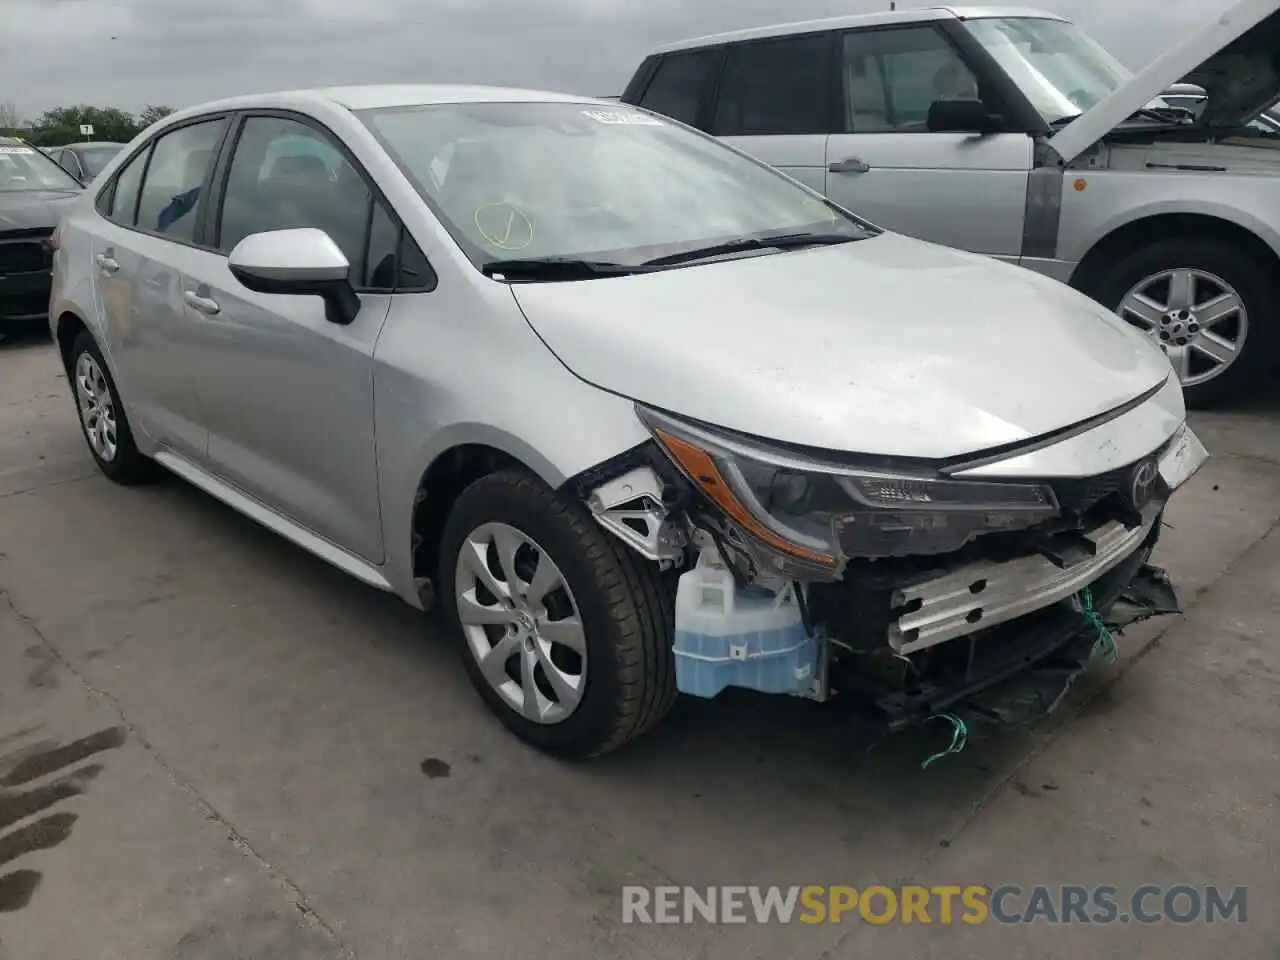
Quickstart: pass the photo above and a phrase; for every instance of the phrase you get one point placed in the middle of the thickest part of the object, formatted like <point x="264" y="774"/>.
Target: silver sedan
<point x="642" y="414"/>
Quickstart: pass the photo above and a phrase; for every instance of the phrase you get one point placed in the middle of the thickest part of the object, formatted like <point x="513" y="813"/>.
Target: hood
<point x="884" y="346"/>
<point x="34" y="209"/>
<point x="1236" y="59"/>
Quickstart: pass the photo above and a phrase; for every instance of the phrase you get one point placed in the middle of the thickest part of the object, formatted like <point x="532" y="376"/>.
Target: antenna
<point x="892" y="6"/>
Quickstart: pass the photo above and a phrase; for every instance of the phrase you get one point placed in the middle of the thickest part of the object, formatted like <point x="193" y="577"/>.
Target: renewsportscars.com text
<point x="945" y="904"/>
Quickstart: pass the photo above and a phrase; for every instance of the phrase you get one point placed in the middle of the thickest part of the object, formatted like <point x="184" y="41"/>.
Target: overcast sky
<point x="129" y="53"/>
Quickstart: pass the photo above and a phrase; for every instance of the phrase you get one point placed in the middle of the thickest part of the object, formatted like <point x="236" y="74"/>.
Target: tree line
<point x="62" y="124"/>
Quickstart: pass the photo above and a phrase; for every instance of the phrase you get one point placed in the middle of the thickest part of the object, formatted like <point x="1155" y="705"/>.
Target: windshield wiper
<point x="550" y="269"/>
<point x="1155" y="116"/>
<point x="784" y="241"/>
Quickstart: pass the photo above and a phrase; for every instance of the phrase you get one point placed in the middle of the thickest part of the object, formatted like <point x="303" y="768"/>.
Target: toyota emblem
<point x="1143" y="484"/>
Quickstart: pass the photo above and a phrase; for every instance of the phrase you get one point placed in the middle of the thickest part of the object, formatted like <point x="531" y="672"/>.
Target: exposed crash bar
<point x="985" y="593"/>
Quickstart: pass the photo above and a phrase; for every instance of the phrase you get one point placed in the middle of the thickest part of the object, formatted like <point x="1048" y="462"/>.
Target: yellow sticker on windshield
<point x="504" y="226"/>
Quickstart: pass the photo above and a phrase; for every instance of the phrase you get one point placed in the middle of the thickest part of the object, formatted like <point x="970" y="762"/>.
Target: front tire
<point x="1210" y="307"/>
<point x="102" y="417"/>
<point x="565" y="633"/>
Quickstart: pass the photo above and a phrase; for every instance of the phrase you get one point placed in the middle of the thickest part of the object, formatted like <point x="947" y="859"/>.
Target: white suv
<point x="1013" y="134"/>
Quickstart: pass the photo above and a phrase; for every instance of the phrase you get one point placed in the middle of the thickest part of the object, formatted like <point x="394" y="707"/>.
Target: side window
<point x="381" y="261"/>
<point x="394" y="262"/>
<point x="415" y="273"/>
<point x="776" y="87"/>
<point x="680" y="83"/>
<point x="180" y="161"/>
<point x="286" y="174"/>
<point x="891" y="78"/>
<point x="124" y="198"/>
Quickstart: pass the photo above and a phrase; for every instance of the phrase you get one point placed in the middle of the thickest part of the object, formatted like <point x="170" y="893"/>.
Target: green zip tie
<point x="1106" y="642"/>
<point x="959" y="737"/>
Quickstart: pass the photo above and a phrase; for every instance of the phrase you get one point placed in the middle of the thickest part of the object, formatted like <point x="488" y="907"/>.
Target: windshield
<point x="25" y="169"/>
<point x="1061" y="69"/>
<point x="95" y="159"/>
<point x="586" y="182"/>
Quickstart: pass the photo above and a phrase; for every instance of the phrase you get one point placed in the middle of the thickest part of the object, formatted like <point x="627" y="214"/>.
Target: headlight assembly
<point x="822" y="514"/>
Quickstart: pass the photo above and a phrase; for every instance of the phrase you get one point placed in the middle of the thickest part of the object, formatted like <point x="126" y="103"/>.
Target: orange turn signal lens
<point x="701" y="468"/>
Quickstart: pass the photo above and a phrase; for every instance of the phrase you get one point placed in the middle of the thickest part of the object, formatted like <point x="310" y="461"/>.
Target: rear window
<point x="680" y="84"/>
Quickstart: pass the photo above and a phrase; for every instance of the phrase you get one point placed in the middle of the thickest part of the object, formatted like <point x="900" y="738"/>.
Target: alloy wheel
<point x="1198" y="319"/>
<point x="521" y="622"/>
<point x="97" y="409"/>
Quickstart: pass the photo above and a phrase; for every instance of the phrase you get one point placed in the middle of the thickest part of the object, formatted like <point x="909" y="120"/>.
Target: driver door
<point x="957" y="189"/>
<point x="287" y="394"/>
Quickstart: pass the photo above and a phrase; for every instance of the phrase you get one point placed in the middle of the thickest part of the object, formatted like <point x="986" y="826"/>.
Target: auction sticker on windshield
<point x="7" y="149"/>
<point x="622" y="116"/>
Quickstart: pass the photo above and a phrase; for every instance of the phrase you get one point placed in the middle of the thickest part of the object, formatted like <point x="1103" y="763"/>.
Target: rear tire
<point x="1254" y="329"/>
<point x="623" y="603"/>
<point x="102" y="418"/>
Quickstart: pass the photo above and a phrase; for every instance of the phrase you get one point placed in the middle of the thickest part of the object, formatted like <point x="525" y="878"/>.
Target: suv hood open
<point x="884" y="346"/>
<point x="1236" y="58"/>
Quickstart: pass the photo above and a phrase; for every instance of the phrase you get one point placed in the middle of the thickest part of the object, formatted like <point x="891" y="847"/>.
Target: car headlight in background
<point x="822" y="514"/>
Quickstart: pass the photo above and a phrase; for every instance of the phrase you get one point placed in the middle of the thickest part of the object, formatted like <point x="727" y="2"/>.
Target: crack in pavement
<point x="62" y="481"/>
<point x="292" y="892"/>
<point x="1049" y="737"/>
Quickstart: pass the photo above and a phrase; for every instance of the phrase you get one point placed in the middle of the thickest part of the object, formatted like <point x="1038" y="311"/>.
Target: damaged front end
<point x="886" y="584"/>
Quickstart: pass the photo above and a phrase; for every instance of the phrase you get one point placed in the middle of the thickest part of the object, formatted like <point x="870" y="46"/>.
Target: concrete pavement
<point x="286" y="764"/>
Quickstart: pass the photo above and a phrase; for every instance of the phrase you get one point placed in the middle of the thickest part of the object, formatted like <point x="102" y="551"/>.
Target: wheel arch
<point x="1146" y="229"/>
<point x="440" y="484"/>
<point x="69" y="326"/>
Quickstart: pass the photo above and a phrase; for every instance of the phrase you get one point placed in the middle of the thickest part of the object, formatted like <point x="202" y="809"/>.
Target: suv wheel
<point x="1210" y="308"/>
<point x="565" y="633"/>
<point x="102" y="418"/>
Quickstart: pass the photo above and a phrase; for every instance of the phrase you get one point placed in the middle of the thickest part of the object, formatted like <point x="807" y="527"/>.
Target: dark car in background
<point x="84" y="161"/>
<point x="35" y="194"/>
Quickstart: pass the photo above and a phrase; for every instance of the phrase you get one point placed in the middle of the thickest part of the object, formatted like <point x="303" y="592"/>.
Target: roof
<point x="853" y="21"/>
<point x="386" y="95"/>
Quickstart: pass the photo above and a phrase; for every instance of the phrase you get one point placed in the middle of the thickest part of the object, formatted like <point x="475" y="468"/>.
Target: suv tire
<point x="1250" y="279"/>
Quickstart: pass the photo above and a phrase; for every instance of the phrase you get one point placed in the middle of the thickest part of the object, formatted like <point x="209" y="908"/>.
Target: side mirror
<point x="963" y="116"/>
<point x="302" y="262"/>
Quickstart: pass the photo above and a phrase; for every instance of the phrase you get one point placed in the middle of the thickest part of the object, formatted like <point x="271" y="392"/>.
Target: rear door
<point x="150" y="215"/>
<point x="774" y="100"/>
<point x="289" y="395"/>
<point x="957" y="189"/>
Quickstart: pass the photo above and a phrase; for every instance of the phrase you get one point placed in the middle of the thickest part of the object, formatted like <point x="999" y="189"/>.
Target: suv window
<point x="890" y="78"/>
<point x="775" y="87"/>
<point x="680" y="83"/>
<point x="286" y="174"/>
<point x="170" y="200"/>
<point x="123" y="205"/>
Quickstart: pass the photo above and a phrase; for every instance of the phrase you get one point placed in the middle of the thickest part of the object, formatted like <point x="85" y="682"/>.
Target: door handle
<point x="205" y="305"/>
<point x="107" y="264"/>
<point x="848" y="165"/>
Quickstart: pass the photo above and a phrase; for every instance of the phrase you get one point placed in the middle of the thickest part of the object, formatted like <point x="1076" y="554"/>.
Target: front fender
<point x="557" y="445"/>
<point x="1112" y="200"/>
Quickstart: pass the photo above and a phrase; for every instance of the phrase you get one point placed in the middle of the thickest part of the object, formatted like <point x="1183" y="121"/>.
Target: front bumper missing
<point x="989" y="593"/>
<point x="1020" y="671"/>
